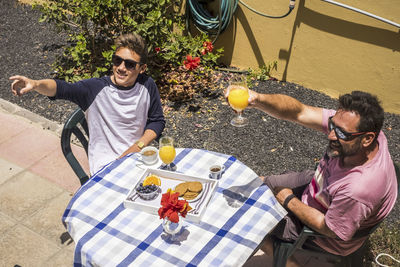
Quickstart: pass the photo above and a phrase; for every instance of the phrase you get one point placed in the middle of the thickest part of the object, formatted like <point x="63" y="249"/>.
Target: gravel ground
<point x="267" y="145"/>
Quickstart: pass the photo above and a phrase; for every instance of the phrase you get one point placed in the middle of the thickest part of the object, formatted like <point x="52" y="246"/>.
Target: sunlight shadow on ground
<point x="260" y="259"/>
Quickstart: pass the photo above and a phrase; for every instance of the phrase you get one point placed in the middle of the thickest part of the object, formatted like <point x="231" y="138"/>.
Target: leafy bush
<point x="92" y="25"/>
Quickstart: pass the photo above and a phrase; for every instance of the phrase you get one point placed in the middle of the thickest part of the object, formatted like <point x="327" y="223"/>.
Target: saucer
<point x="150" y="163"/>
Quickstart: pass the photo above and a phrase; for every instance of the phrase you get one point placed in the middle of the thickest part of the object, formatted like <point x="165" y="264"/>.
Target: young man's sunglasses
<point x="341" y="134"/>
<point x="129" y="64"/>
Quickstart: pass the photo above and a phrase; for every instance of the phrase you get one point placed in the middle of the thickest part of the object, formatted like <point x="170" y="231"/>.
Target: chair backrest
<point x="71" y="126"/>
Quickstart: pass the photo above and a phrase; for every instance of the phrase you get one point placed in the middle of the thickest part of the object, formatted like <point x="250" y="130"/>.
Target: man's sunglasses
<point x="340" y="133"/>
<point x="129" y="64"/>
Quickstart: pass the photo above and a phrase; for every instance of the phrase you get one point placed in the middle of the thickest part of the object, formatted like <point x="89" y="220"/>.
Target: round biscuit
<point x="190" y="195"/>
<point x="195" y="187"/>
<point x="181" y="188"/>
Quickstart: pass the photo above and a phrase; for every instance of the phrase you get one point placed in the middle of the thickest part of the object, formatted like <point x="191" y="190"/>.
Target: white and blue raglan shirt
<point x="117" y="116"/>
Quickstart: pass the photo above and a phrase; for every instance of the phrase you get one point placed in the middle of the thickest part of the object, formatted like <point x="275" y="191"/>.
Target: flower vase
<point x="171" y="228"/>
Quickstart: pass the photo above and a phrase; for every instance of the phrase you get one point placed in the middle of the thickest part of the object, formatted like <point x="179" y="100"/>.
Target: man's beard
<point x="340" y="151"/>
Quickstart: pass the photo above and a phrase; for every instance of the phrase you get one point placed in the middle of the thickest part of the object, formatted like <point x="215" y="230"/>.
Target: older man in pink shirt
<point x="354" y="186"/>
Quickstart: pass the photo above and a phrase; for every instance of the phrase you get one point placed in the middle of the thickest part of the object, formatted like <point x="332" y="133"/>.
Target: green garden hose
<point x="291" y="7"/>
<point x="207" y="23"/>
<point x="214" y="25"/>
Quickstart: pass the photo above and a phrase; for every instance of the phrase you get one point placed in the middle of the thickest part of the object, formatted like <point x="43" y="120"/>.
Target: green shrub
<point x="92" y="25"/>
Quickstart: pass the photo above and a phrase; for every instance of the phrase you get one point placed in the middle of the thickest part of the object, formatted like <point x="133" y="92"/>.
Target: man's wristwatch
<point x="140" y="144"/>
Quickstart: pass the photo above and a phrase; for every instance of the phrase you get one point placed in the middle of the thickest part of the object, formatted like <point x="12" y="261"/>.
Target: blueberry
<point x="146" y="189"/>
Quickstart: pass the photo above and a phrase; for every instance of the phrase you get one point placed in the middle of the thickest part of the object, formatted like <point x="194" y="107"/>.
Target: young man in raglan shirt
<point x="123" y="111"/>
<point x="354" y="186"/>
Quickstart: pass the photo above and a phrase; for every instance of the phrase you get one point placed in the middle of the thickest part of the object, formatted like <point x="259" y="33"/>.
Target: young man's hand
<point x="21" y="85"/>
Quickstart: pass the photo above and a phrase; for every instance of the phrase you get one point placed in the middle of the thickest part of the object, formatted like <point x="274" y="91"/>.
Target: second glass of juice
<point x="238" y="99"/>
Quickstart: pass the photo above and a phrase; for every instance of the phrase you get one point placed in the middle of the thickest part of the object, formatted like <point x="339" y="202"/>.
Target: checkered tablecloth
<point x="107" y="234"/>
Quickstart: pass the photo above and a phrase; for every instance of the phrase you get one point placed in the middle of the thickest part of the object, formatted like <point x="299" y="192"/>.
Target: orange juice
<point x="238" y="98"/>
<point x="167" y="154"/>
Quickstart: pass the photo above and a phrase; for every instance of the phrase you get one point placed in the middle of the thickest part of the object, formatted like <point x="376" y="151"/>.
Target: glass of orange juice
<point x="167" y="152"/>
<point x="238" y="99"/>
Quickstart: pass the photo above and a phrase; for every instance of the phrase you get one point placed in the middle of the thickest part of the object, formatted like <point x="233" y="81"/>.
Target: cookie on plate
<point x="190" y="195"/>
<point x="181" y="188"/>
<point x="195" y="187"/>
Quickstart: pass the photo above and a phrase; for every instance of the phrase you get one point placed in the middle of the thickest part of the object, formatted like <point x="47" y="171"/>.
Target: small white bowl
<point x="149" y="196"/>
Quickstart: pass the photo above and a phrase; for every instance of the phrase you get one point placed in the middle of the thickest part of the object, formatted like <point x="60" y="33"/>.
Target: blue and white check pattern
<point x="107" y="234"/>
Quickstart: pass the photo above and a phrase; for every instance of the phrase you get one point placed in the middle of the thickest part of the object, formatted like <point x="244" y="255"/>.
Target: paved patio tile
<point x="47" y="221"/>
<point x="63" y="258"/>
<point x="29" y="146"/>
<point x="7" y="170"/>
<point x="55" y="168"/>
<point x="23" y="247"/>
<point x="31" y="203"/>
<point x="6" y="223"/>
<point x="11" y="126"/>
<point x="25" y="194"/>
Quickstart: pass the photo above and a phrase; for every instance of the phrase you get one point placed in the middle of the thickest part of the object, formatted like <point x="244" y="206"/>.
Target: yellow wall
<point x="321" y="46"/>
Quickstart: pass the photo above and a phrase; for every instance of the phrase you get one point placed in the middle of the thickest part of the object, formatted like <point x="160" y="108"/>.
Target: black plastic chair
<point x="71" y="126"/>
<point x="283" y="250"/>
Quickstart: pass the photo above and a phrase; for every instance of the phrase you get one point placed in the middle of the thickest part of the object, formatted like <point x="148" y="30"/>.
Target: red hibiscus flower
<point x="157" y="49"/>
<point x="172" y="207"/>
<point x="191" y="63"/>
<point x="208" y="47"/>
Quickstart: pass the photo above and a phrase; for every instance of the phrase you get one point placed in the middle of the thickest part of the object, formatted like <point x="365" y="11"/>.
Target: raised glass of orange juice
<point x="238" y="99"/>
<point x="167" y="152"/>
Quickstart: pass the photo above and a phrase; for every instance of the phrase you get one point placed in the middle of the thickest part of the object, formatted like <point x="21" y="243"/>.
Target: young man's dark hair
<point x="134" y="42"/>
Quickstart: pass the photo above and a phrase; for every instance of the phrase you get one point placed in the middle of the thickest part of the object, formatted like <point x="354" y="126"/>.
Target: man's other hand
<point x="252" y="97"/>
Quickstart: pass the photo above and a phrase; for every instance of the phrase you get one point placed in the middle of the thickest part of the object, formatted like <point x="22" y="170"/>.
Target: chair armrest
<point x="310" y="232"/>
<point x="358" y="234"/>
<point x="306" y="232"/>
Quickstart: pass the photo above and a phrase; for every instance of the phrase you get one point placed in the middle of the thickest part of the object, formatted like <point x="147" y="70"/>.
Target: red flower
<point x="203" y="51"/>
<point x="208" y="47"/>
<point x="171" y="206"/>
<point x="191" y="63"/>
<point x="157" y="50"/>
